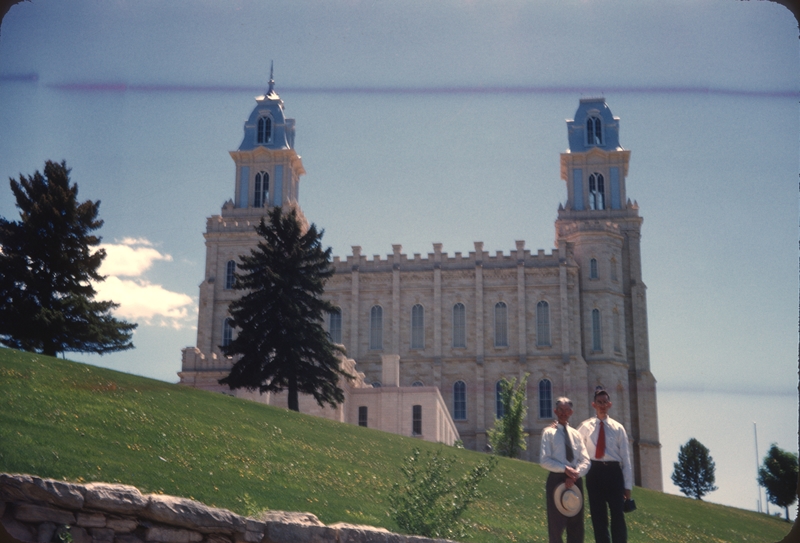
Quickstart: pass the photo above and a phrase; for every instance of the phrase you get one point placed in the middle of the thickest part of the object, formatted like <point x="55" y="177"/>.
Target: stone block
<point x="27" y="488"/>
<point x="356" y="533"/>
<point x="191" y="514"/>
<point x="102" y="535"/>
<point x="170" y="535"/>
<point x="121" y="525"/>
<point x="294" y="527"/>
<point x="17" y="530"/>
<point x="127" y="538"/>
<point x="218" y="538"/>
<point x="46" y="531"/>
<point x="91" y="520"/>
<point x="37" y="513"/>
<point x="79" y="535"/>
<point x="124" y="499"/>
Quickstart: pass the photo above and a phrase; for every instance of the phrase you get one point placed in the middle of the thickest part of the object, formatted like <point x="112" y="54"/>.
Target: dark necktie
<point x="568" y="445"/>
<point x="600" y="450"/>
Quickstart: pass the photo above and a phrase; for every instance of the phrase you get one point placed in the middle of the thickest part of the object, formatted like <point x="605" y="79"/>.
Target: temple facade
<point x="571" y="318"/>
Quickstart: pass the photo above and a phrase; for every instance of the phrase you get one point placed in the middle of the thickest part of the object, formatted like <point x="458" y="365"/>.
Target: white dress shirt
<point x="617" y="447"/>
<point x="553" y="453"/>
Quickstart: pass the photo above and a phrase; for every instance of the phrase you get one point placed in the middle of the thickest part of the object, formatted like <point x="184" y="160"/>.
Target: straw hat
<point x="569" y="501"/>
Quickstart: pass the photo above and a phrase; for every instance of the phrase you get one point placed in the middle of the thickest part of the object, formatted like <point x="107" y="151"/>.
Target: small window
<point x="616" y="331"/>
<point x="376" y="327"/>
<point x="593" y="269"/>
<point x="596" y="191"/>
<point x="459" y="400"/>
<point x="261" y="196"/>
<point x="362" y="415"/>
<point x="545" y="399"/>
<point x="264" y="130"/>
<point x="417" y="327"/>
<point x="417" y="384"/>
<point x="227" y="332"/>
<point x="335" y="326"/>
<point x="614" y="269"/>
<point x="459" y="326"/>
<point x="230" y="274"/>
<point x="376" y="384"/>
<point x="416" y="420"/>
<point x="597" y="344"/>
<point x="498" y="399"/>
<point x="594" y="131"/>
<point x="500" y="325"/>
<point x="543" y="324"/>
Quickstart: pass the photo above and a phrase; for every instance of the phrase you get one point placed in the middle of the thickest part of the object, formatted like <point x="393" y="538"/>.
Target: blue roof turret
<point x="593" y="127"/>
<point x="267" y="125"/>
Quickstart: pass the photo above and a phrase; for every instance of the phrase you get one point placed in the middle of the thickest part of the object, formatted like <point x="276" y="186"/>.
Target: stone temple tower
<point x="601" y="229"/>
<point x="268" y="171"/>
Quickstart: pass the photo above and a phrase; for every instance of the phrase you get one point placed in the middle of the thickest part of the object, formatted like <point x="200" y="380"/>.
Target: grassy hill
<point x="65" y="420"/>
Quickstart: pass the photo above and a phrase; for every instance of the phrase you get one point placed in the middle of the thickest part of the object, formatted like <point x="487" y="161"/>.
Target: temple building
<point x="443" y="330"/>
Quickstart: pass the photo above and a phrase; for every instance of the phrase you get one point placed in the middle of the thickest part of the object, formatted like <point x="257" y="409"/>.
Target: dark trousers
<point x="606" y="487"/>
<point x="556" y="522"/>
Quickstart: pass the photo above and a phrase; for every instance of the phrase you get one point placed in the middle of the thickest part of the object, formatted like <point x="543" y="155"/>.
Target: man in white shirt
<point x="610" y="479"/>
<point x="564" y="456"/>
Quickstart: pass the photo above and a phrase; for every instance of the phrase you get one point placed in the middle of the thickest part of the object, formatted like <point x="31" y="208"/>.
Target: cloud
<point x="139" y="300"/>
<point x="130" y="258"/>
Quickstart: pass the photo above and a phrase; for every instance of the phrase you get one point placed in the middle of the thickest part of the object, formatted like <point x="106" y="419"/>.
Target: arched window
<point x="594" y="131"/>
<point x="500" y="325"/>
<point x="596" y="191"/>
<point x="498" y="399"/>
<point x="230" y="274"/>
<point x="261" y="197"/>
<point x="597" y="343"/>
<point x="335" y="325"/>
<point x="617" y="331"/>
<point x="417" y="384"/>
<point x="417" y="327"/>
<point x="459" y="325"/>
<point x="376" y="327"/>
<point x="459" y="400"/>
<point x="593" y="268"/>
<point x="543" y="324"/>
<point x="613" y="264"/>
<point x="227" y="332"/>
<point x="545" y="399"/>
<point x="376" y="384"/>
<point x="264" y="130"/>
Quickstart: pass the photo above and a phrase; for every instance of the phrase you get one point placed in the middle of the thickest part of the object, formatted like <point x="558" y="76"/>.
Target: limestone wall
<point x="41" y="510"/>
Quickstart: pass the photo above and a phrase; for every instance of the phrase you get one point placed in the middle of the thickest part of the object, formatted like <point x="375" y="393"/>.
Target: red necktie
<point x="600" y="450"/>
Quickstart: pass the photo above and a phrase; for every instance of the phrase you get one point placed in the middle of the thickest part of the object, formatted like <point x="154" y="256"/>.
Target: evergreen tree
<point x="694" y="471"/>
<point x="778" y="475"/>
<point x="48" y="261"/>
<point x="281" y="341"/>
<point x="507" y="438"/>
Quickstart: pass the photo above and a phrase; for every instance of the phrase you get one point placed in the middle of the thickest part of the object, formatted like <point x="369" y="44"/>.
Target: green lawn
<point x="65" y="420"/>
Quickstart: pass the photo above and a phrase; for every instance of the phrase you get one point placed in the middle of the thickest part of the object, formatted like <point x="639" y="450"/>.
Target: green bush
<point x="430" y="501"/>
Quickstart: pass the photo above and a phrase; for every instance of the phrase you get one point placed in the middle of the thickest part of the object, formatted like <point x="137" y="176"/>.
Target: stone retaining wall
<point x="43" y="510"/>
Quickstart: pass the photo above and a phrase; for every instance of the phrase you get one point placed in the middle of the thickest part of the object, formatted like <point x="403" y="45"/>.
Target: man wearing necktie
<point x="610" y="478"/>
<point x="564" y="456"/>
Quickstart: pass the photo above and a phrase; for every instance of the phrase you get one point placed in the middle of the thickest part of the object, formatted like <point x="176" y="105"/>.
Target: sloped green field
<point x="65" y="420"/>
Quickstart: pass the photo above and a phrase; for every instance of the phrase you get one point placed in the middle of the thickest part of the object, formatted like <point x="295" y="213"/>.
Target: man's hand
<point x="572" y="474"/>
<point x="627" y="494"/>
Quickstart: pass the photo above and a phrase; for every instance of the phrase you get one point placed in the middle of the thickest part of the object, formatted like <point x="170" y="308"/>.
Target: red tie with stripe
<point x="600" y="450"/>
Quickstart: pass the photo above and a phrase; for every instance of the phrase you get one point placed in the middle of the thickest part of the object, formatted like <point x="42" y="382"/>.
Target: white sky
<point x="144" y="99"/>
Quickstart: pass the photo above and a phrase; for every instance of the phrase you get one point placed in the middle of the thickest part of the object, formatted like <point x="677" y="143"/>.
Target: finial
<point x="271" y="79"/>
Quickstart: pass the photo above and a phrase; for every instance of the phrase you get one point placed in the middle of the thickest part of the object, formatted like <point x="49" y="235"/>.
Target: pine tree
<point x="778" y="475"/>
<point x="508" y="435"/>
<point x="694" y="471"/>
<point x="48" y="261"/>
<point x="281" y="342"/>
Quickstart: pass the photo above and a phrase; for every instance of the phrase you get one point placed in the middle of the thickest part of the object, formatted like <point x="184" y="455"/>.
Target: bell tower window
<point x="596" y="191"/>
<point x="261" y="197"/>
<point x="264" y="134"/>
<point x="594" y="131"/>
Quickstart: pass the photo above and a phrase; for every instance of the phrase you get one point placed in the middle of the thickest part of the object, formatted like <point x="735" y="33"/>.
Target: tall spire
<point x="271" y="78"/>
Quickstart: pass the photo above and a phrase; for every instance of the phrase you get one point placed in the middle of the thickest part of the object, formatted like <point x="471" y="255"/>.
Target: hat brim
<point x="569" y="502"/>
